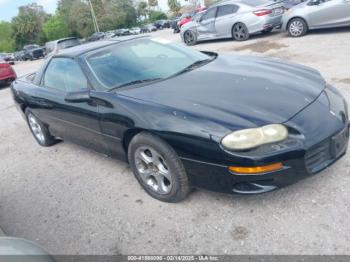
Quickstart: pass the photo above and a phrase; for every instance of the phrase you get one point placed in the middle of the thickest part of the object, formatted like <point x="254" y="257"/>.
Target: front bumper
<point x="324" y="140"/>
<point x="217" y="177"/>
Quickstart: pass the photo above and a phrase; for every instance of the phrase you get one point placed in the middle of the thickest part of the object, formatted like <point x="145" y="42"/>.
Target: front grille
<point x="318" y="157"/>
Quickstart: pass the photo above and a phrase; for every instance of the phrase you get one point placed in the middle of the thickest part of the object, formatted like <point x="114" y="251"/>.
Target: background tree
<point x="73" y="18"/>
<point x="6" y="40"/>
<point x="27" y="25"/>
<point x="112" y="14"/>
<point x="152" y="3"/>
<point x="126" y="14"/>
<point x="142" y="11"/>
<point x="55" y="28"/>
<point x="77" y="17"/>
<point x="156" y="15"/>
<point x="174" y="6"/>
<point x="210" y="2"/>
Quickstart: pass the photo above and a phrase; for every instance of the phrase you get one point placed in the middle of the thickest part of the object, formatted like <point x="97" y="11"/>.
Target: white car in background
<point x="316" y="14"/>
<point x="234" y="19"/>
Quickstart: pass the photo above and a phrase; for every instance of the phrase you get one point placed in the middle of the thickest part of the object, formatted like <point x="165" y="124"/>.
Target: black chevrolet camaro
<point x="185" y="119"/>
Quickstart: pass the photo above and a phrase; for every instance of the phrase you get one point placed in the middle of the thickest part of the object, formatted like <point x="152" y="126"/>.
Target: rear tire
<point x="157" y="168"/>
<point x="240" y="32"/>
<point x="39" y="130"/>
<point x="297" y="27"/>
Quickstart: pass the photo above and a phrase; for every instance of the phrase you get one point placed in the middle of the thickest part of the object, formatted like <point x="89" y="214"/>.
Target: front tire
<point x="297" y="27"/>
<point x="39" y="130"/>
<point x="190" y="38"/>
<point x="240" y="32"/>
<point x="157" y="168"/>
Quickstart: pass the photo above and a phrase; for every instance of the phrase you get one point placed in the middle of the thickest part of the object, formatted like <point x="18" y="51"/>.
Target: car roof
<point x="245" y="2"/>
<point x="62" y="39"/>
<point x="26" y="46"/>
<point x="76" y="51"/>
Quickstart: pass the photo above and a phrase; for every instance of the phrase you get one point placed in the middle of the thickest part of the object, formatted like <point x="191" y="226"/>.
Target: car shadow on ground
<point x="330" y="31"/>
<point x="4" y="86"/>
<point x="252" y="37"/>
<point x="197" y="195"/>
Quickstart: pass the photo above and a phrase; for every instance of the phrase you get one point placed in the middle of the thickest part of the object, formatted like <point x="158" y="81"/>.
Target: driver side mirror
<point x="78" y="97"/>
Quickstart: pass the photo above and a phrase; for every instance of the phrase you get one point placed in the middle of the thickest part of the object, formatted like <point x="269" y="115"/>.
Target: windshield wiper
<point x="194" y="66"/>
<point x="141" y="81"/>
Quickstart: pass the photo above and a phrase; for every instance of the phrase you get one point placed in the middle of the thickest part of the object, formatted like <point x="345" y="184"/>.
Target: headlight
<point x="254" y="137"/>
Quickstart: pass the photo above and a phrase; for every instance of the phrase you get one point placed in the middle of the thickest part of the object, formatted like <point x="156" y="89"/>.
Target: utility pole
<point x="94" y="20"/>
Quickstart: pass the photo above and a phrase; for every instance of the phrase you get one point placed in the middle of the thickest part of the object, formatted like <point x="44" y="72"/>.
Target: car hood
<point x="240" y="91"/>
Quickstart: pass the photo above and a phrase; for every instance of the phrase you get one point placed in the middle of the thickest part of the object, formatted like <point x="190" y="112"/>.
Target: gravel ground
<point x="74" y="201"/>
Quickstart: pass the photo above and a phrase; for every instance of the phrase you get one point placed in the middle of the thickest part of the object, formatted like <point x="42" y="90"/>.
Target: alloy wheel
<point x="153" y="170"/>
<point x="240" y="32"/>
<point x="36" y="128"/>
<point x="189" y="38"/>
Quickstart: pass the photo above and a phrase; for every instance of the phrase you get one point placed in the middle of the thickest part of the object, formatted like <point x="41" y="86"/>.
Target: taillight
<point x="4" y="65"/>
<point x="262" y="12"/>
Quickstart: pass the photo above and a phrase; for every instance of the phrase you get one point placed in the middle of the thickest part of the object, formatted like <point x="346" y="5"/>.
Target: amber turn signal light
<point x="256" y="170"/>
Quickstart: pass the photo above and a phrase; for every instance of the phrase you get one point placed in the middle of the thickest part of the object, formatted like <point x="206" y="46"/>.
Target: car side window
<point x="65" y="74"/>
<point x="227" y="10"/>
<point x="211" y="13"/>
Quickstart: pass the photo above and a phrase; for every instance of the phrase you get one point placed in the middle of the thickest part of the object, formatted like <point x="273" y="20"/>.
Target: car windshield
<point x="68" y="43"/>
<point x="140" y="60"/>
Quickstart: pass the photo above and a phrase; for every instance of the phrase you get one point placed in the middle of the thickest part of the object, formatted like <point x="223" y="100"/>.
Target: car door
<point x="225" y="19"/>
<point x="76" y="122"/>
<point x="328" y="13"/>
<point x="344" y="11"/>
<point x="206" y="24"/>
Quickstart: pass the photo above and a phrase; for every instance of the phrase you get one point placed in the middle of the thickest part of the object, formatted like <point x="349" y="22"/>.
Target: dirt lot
<point x="74" y="201"/>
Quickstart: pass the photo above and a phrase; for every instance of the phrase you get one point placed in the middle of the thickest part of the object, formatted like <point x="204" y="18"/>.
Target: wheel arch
<point x="129" y="135"/>
<point x="23" y="107"/>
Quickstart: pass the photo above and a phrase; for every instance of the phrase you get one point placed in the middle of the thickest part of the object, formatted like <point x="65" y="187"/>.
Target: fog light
<point x="255" y="170"/>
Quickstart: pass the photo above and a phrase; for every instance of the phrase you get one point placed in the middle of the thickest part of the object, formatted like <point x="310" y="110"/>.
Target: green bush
<point x="6" y="41"/>
<point x="55" y="28"/>
<point x="156" y="15"/>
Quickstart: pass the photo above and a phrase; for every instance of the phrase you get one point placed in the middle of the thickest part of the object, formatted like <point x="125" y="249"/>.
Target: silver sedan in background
<point x="234" y="18"/>
<point x="316" y="14"/>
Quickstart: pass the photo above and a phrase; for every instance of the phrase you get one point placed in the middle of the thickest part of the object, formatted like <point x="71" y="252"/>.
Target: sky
<point x="9" y="8"/>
